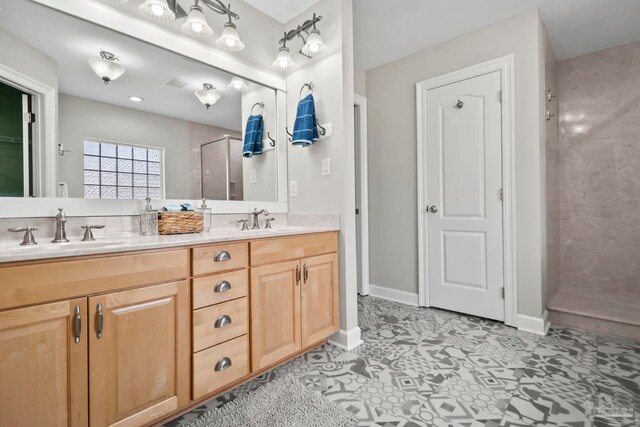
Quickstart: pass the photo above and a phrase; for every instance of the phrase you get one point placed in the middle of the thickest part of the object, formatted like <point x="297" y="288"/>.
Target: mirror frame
<point x="105" y="16"/>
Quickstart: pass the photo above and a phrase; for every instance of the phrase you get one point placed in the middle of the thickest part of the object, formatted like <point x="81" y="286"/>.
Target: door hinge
<point x="501" y="195"/>
<point x="500" y="96"/>
<point x="357" y="211"/>
<point x="502" y="292"/>
<point x="29" y="118"/>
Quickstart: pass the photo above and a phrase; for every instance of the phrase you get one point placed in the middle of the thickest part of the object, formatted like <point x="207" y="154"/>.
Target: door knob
<point x="433" y="209"/>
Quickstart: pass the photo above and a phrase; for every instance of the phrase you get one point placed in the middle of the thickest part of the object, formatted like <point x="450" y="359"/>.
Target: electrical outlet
<point x="252" y="176"/>
<point x="293" y="188"/>
<point x="326" y="166"/>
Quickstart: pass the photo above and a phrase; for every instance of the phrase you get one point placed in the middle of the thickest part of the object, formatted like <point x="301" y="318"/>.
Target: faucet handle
<point x="268" y="224"/>
<point x="88" y="234"/>
<point x="28" y="235"/>
<point x="245" y="223"/>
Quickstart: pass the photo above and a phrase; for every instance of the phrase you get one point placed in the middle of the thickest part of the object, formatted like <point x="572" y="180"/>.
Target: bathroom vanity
<point x="134" y="332"/>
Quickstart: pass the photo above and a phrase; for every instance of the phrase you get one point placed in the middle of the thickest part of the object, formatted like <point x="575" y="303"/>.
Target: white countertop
<point x="11" y="251"/>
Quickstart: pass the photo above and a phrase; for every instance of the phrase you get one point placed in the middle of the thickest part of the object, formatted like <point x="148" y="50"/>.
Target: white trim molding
<point x="361" y="103"/>
<point x="45" y="131"/>
<point x="346" y="340"/>
<point x="505" y="65"/>
<point x="395" y="295"/>
<point x="534" y="325"/>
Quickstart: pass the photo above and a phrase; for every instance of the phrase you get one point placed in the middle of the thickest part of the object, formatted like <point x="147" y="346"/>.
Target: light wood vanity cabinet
<point x="43" y="370"/>
<point x="134" y="339"/>
<point x="294" y="304"/>
<point x="138" y="357"/>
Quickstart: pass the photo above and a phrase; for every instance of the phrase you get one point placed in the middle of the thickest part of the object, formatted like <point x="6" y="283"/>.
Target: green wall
<point x="11" y="173"/>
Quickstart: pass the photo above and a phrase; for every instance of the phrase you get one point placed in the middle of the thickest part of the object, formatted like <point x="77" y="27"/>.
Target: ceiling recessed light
<point x="136" y="98"/>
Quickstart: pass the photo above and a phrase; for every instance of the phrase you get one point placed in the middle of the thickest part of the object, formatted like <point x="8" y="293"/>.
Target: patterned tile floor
<point x="424" y="367"/>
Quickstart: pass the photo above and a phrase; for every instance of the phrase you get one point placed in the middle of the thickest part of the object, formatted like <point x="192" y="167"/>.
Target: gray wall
<point x="81" y="118"/>
<point x="393" y="210"/>
<point x="23" y="58"/>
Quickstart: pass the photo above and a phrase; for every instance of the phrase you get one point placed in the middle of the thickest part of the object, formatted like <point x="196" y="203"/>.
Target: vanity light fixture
<point x="283" y="61"/>
<point x="312" y="43"/>
<point x="134" y="98"/>
<point x="208" y="95"/>
<point x="106" y="66"/>
<point x="237" y="83"/>
<point x="157" y="10"/>
<point x="230" y="38"/>
<point x="196" y="24"/>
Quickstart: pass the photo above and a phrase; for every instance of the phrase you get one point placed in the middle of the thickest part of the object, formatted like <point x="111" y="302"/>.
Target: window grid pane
<point x="119" y="171"/>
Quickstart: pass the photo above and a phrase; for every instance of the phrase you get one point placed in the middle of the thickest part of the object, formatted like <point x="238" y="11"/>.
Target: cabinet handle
<point x="306" y="273"/>
<point x="77" y="325"/>
<point x="222" y="256"/>
<point x="100" y="321"/>
<point x="297" y="275"/>
<point x="222" y="286"/>
<point x="223" y="364"/>
<point x="222" y="321"/>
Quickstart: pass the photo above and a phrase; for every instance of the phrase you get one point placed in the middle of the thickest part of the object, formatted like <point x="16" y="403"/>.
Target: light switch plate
<point x="293" y="188"/>
<point x="252" y="176"/>
<point x="326" y="166"/>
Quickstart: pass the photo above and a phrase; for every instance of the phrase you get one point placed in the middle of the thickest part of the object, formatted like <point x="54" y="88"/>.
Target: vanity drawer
<point x="220" y="288"/>
<point x="218" y="258"/>
<point x="219" y="323"/>
<point x="267" y="251"/>
<point x="208" y="372"/>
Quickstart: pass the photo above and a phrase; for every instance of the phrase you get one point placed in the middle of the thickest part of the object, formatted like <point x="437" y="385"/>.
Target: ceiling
<point x="282" y="11"/>
<point x="75" y="41"/>
<point x="385" y="31"/>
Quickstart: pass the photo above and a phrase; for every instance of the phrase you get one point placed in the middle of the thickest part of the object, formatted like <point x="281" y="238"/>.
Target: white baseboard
<point x="394" y="295"/>
<point x="535" y="325"/>
<point x="346" y="340"/>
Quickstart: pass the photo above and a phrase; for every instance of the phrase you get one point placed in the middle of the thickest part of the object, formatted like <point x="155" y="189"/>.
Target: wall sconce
<point x="106" y="66"/>
<point x="157" y="10"/>
<point x="313" y="44"/>
<point x="237" y="83"/>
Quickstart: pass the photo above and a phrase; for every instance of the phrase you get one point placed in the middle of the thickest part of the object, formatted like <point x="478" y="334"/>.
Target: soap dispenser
<point x="148" y="220"/>
<point x="206" y="216"/>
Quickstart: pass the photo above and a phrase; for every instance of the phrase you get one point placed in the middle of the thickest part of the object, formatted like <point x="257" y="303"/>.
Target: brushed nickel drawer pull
<point x="222" y="321"/>
<point x="222" y="256"/>
<point x="223" y="364"/>
<point x="222" y="286"/>
<point x="78" y="325"/>
<point x="100" y="321"/>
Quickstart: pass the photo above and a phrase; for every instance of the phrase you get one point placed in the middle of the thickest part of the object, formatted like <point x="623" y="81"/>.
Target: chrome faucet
<point x="61" y="233"/>
<point x="255" y="214"/>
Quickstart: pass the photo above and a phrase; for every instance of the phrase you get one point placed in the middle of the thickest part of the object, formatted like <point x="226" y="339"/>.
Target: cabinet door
<point x="275" y="313"/>
<point x="138" y="354"/>
<point x="320" y="316"/>
<point x="43" y="370"/>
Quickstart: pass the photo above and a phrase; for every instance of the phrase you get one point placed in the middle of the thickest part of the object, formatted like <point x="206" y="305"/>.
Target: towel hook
<point x="286" y="128"/>
<point x="258" y="104"/>
<point x="459" y="105"/>
<point x="321" y="129"/>
<point x="306" y="85"/>
<point x="272" y="142"/>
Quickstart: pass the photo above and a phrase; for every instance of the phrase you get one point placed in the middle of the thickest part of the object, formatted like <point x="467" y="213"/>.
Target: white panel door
<point x="464" y="213"/>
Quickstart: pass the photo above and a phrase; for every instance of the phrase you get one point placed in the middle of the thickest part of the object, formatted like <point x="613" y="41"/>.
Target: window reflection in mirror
<point x="141" y="133"/>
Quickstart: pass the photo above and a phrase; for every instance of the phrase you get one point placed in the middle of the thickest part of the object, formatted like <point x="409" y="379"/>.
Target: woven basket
<point x="180" y="222"/>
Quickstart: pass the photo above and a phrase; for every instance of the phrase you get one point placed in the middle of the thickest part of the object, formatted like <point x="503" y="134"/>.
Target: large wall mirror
<point x="133" y="120"/>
